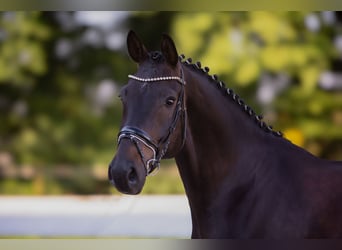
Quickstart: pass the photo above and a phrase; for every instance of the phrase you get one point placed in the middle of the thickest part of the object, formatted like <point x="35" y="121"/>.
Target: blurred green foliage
<point x="243" y="47"/>
<point x="52" y="65"/>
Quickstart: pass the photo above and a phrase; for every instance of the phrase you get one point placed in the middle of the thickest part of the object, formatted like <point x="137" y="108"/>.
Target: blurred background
<point x="60" y="73"/>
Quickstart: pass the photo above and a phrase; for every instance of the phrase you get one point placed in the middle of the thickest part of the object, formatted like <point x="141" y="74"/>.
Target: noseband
<point x="137" y="135"/>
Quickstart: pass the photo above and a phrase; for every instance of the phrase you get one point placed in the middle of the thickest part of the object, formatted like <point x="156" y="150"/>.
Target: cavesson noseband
<point x="137" y="135"/>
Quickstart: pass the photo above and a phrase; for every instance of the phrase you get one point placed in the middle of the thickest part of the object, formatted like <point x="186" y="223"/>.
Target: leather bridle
<point x="139" y="136"/>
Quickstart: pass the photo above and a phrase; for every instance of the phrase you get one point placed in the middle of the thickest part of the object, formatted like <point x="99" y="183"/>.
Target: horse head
<point x="153" y="122"/>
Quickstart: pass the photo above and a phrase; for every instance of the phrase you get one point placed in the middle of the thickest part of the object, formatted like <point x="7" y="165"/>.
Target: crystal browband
<point x="157" y="79"/>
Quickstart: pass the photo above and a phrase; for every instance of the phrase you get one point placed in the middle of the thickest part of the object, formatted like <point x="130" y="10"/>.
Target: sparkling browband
<point x="157" y="79"/>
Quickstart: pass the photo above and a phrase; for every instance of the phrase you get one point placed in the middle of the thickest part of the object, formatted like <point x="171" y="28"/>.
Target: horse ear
<point x="136" y="48"/>
<point x="169" y="50"/>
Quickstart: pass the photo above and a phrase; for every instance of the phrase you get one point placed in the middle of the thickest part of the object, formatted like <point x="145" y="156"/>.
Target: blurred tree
<point x="52" y="87"/>
<point x="59" y="77"/>
<point x="60" y="73"/>
<point x="281" y="56"/>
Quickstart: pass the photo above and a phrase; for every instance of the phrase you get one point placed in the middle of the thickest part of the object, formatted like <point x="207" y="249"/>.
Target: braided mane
<point x="235" y="97"/>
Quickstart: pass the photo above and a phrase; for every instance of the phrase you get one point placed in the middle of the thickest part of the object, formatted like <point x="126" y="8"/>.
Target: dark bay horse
<point x="242" y="178"/>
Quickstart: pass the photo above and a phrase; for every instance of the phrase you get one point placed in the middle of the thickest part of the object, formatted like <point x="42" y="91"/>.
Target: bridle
<point x="137" y="135"/>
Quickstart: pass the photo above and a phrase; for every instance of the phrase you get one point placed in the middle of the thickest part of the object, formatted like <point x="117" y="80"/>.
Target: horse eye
<point x="170" y="101"/>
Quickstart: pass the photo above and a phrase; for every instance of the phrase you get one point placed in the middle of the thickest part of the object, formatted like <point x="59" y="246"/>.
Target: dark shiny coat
<point x="242" y="179"/>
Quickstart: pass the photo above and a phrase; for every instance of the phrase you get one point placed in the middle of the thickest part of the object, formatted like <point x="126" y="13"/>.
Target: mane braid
<point x="235" y="97"/>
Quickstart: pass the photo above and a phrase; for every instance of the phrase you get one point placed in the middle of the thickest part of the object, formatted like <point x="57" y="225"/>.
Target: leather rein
<point x="139" y="136"/>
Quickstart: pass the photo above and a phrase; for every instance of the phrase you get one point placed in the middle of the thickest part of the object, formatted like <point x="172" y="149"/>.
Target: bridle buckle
<point x="152" y="166"/>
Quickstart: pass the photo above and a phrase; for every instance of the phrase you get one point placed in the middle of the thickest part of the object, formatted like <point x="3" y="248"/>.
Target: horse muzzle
<point x="125" y="176"/>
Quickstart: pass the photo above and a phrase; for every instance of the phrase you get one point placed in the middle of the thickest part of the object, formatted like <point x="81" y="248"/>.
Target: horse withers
<point x="242" y="178"/>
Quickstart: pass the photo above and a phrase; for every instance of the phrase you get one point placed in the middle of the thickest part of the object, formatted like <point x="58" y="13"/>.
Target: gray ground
<point x="95" y="216"/>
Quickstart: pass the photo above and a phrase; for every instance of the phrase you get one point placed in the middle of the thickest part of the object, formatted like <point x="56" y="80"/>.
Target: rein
<point x="137" y="135"/>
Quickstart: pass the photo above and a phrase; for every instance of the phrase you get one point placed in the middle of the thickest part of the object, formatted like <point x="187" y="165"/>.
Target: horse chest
<point x="249" y="214"/>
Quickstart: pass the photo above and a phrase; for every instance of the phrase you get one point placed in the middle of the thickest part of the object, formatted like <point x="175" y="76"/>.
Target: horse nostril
<point x="132" y="176"/>
<point x="109" y="173"/>
<point x="110" y="177"/>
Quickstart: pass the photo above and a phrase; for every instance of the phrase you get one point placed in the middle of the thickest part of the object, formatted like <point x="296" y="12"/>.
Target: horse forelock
<point x="156" y="56"/>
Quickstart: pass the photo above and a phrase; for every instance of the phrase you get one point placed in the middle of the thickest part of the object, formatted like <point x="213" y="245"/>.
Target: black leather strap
<point x="141" y="133"/>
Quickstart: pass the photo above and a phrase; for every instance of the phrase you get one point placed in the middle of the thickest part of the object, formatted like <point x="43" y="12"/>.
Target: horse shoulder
<point x="317" y="186"/>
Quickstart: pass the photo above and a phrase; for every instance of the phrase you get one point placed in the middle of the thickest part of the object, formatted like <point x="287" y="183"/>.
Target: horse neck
<point x="220" y="135"/>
